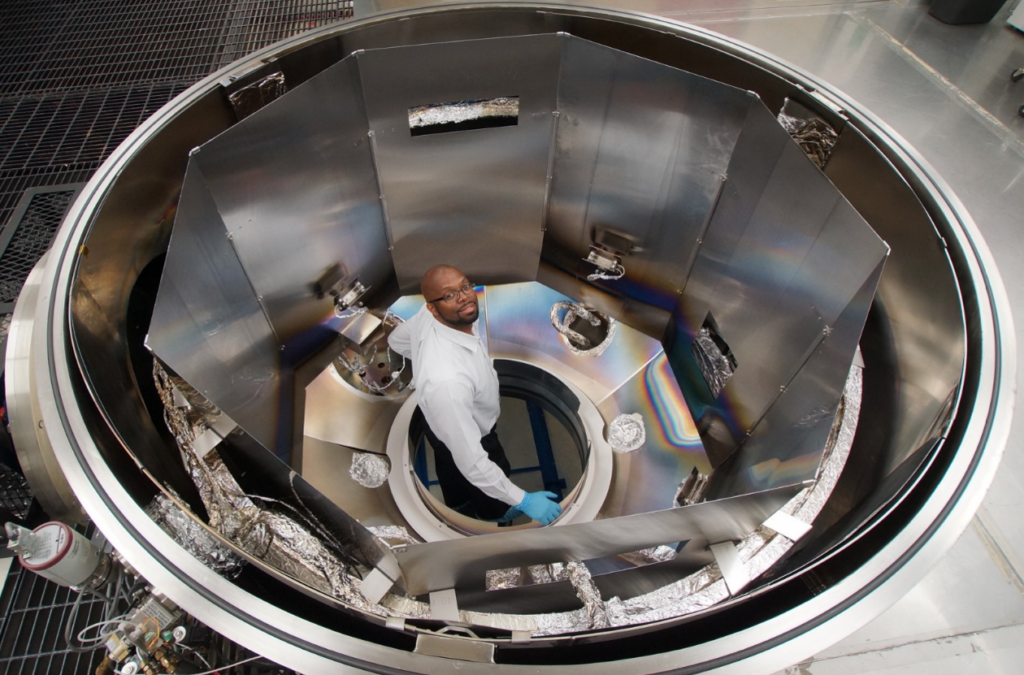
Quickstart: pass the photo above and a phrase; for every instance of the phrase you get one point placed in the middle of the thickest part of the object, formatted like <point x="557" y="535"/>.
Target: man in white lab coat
<point x="458" y="394"/>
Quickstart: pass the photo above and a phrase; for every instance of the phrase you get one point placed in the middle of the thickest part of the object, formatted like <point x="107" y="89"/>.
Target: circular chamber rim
<point x="581" y="504"/>
<point x="893" y="568"/>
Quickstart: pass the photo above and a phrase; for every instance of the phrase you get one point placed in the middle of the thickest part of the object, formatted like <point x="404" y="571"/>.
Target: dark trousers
<point x="461" y="495"/>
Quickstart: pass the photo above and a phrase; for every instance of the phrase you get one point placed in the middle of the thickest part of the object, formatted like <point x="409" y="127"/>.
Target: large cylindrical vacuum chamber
<point x="574" y="162"/>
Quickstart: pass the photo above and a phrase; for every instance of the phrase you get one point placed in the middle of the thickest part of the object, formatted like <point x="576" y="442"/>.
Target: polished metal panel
<point x="917" y="298"/>
<point x="439" y="188"/>
<point x="209" y="327"/>
<point x="640" y="151"/>
<point x="787" y="444"/>
<point x="295" y="185"/>
<point x="518" y="326"/>
<point x="459" y="563"/>
<point x="781" y="258"/>
<point x="647" y="480"/>
<point x="336" y="412"/>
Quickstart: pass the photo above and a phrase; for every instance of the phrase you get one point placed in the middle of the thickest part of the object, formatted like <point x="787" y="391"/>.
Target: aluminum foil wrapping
<point x="589" y="595"/>
<point x="626" y="433"/>
<point x="463" y="111"/>
<point x="393" y="535"/>
<point x="573" y="340"/>
<point x="509" y="622"/>
<point x="546" y="574"/>
<point x="275" y="539"/>
<point x="251" y="98"/>
<point x="561" y="623"/>
<point x="837" y="452"/>
<point x="700" y="590"/>
<point x="650" y="556"/>
<point x="369" y="470"/>
<point x="814" y="136"/>
<point x="194" y="538"/>
<point x="716" y="367"/>
<point x="499" y="580"/>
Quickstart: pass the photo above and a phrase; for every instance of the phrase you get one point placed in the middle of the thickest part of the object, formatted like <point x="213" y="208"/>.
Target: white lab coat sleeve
<point x="450" y="417"/>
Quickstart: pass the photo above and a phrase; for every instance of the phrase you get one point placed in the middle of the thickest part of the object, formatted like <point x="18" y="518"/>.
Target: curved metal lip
<point x="774" y="643"/>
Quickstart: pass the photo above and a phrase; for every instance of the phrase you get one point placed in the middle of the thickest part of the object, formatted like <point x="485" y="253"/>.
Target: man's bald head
<point x="437" y="278"/>
<point x="461" y="311"/>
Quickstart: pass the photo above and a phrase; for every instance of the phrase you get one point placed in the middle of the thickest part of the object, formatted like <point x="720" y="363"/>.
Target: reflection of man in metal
<point x="458" y="394"/>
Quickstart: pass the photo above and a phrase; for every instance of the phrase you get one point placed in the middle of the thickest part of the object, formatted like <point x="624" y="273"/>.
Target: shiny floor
<point x="947" y="90"/>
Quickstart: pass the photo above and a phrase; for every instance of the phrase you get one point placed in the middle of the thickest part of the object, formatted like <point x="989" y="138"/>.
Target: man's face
<point x="462" y="309"/>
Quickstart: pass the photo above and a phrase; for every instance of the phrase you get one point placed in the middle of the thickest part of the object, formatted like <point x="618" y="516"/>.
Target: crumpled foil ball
<point x="626" y="433"/>
<point x="369" y="470"/>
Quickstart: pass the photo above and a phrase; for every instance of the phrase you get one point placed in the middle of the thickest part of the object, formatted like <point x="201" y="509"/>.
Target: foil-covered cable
<point x="814" y="136"/>
<point x="369" y="470"/>
<point x="715" y="365"/>
<point x="626" y="433"/>
<point x="502" y="579"/>
<point x="589" y="595"/>
<point x="357" y="364"/>
<point x="194" y="538"/>
<point x="349" y="312"/>
<point x="614" y="274"/>
<point x="393" y="378"/>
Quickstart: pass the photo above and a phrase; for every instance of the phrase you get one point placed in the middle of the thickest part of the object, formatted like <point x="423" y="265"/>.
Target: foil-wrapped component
<point x="393" y="535"/>
<point x="546" y="574"/>
<point x="369" y="470"/>
<point x="194" y="538"/>
<point x="716" y="363"/>
<point x="838" y="450"/>
<point x="692" y="489"/>
<point x="576" y="342"/>
<point x="589" y="595"/>
<point x="700" y="590"/>
<point x="511" y="622"/>
<point x="626" y="433"/>
<point x="459" y="112"/>
<point x="405" y="607"/>
<point x="276" y="539"/>
<point x="561" y="623"/>
<point x="251" y="98"/>
<point x="499" y="580"/>
<point x="650" y="556"/>
<point x="814" y="136"/>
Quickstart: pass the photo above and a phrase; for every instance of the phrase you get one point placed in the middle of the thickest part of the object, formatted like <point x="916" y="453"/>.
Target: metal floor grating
<point x="28" y="236"/>
<point x="34" y="612"/>
<point x="76" y="78"/>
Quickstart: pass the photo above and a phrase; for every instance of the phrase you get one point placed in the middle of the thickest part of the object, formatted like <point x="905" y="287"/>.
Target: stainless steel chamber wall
<point x="653" y="141"/>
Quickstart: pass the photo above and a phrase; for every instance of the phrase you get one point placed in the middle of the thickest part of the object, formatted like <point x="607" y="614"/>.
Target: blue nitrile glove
<point x="510" y="515"/>
<point x="538" y="505"/>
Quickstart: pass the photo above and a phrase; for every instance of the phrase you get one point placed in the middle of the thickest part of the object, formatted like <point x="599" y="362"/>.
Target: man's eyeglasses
<point x="448" y="297"/>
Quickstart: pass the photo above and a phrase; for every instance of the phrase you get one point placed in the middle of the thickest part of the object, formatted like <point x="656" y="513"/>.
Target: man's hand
<point x="540" y="507"/>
